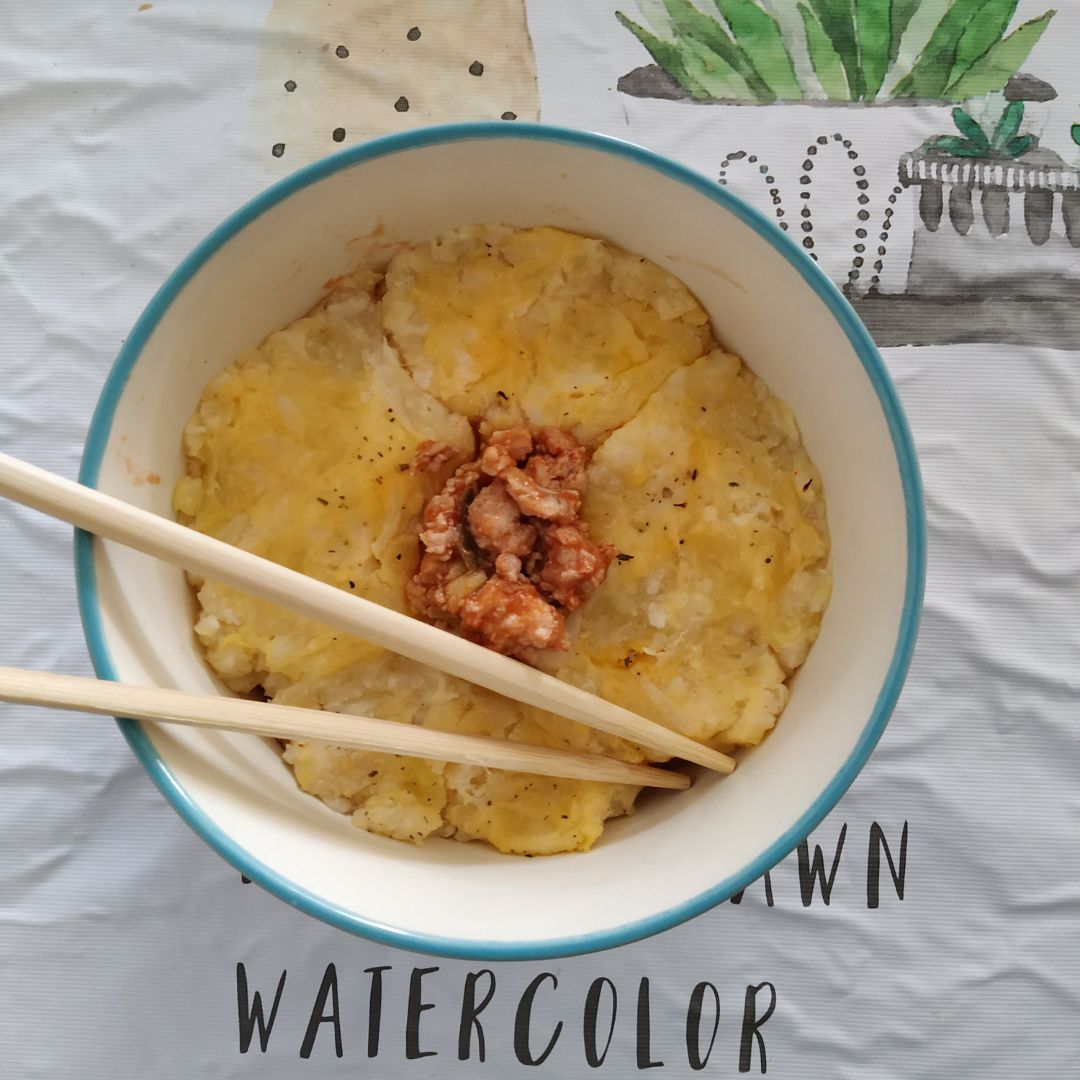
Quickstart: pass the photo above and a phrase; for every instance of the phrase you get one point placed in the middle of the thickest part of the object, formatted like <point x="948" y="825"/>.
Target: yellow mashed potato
<point x="300" y="451"/>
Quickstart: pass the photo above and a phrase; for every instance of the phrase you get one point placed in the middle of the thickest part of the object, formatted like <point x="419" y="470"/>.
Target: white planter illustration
<point x="986" y="227"/>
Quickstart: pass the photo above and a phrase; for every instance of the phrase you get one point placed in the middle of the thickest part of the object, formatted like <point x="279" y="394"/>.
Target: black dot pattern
<point x="414" y="33"/>
<point x="402" y="104"/>
<point x="836" y="139"/>
<point x="883" y="236"/>
<point x="508" y="116"/>
<point x="338" y="135"/>
<point x="290" y="85"/>
<point x="476" y="68"/>
<point x="805" y="192"/>
<point x="766" y="175"/>
<point x="342" y="52"/>
<point x="277" y="149"/>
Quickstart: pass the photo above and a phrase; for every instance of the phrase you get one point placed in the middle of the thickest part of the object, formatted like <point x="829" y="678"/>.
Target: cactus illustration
<point x="997" y="139"/>
<point x="858" y="51"/>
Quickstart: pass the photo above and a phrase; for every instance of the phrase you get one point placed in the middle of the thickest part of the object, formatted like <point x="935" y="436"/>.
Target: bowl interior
<point x="678" y="854"/>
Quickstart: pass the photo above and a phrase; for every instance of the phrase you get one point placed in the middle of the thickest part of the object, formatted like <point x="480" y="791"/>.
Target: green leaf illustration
<point x="823" y="58"/>
<point x="1018" y="146"/>
<point x="1074" y="131"/>
<point x="836" y="18"/>
<point x="855" y="47"/>
<point x="1008" y="124"/>
<point x="985" y="29"/>
<point x="694" y="25"/>
<point x="655" y="17"/>
<point x="969" y="127"/>
<point x="665" y="54"/>
<point x="1000" y="62"/>
<point x="900" y="14"/>
<point x="930" y="73"/>
<point x="710" y="70"/>
<point x="953" y="144"/>
<point x="758" y="34"/>
<point x="872" y="29"/>
<point x="948" y="143"/>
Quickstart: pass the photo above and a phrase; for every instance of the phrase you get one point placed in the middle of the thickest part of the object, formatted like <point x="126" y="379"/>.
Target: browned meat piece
<point x="563" y="466"/>
<point x="495" y="522"/>
<point x="504" y="551"/>
<point x="508" y="567"/>
<point x="441" y="523"/>
<point x="542" y="502"/>
<point x="555" y="441"/>
<point x="517" y="442"/>
<point x="432" y="455"/>
<point x="574" y="566"/>
<point x="534" y="499"/>
<point x="511" y="616"/>
<point x="427" y="590"/>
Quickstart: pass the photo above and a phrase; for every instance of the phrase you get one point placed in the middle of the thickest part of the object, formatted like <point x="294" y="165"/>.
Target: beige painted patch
<point x="339" y="73"/>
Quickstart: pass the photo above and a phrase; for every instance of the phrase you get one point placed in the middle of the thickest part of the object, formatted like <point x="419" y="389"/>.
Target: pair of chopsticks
<point x="113" y="519"/>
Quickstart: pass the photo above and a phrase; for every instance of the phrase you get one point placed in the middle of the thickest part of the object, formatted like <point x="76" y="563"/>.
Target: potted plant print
<point x="872" y="52"/>
<point x="1022" y="238"/>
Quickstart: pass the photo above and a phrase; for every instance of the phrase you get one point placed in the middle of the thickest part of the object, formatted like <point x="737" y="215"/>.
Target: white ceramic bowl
<point x="678" y="855"/>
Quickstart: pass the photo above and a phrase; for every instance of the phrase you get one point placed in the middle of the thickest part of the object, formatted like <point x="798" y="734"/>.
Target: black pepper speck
<point x="290" y="85"/>
<point x="278" y="149"/>
<point x="509" y="115"/>
<point x="342" y="51"/>
<point x="402" y="104"/>
<point x="338" y="134"/>
<point x="414" y="33"/>
<point x="476" y="68"/>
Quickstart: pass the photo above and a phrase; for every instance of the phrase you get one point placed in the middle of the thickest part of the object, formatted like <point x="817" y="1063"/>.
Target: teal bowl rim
<point x="311" y="903"/>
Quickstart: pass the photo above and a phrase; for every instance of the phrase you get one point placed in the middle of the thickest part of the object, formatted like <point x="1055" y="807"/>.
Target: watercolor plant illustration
<point x="870" y="51"/>
<point x="999" y="140"/>
<point x="991" y="157"/>
<point x="994" y="250"/>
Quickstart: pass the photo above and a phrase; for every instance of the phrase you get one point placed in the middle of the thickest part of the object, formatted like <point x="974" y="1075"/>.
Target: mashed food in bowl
<point x="688" y="582"/>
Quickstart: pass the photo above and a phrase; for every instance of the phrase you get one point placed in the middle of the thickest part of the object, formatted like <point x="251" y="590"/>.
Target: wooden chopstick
<point x="123" y="523"/>
<point x="286" y="722"/>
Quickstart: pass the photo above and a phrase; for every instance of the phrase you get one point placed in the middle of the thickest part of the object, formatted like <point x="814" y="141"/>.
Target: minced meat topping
<point x="505" y="552"/>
